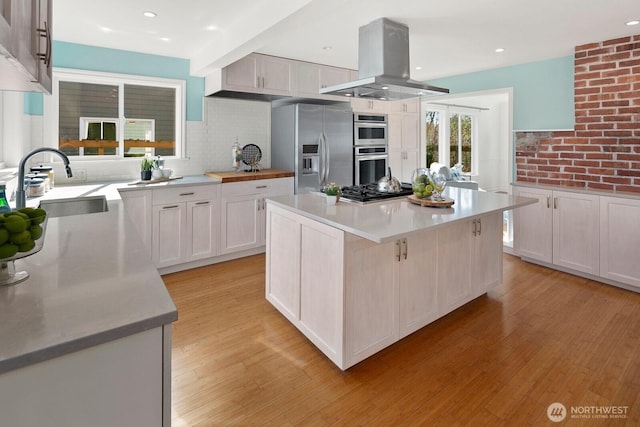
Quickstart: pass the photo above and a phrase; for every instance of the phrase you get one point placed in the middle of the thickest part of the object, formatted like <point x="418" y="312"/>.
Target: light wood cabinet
<point x="353" y="297"/>
<point x="404" y="144"/>
<point x="620" y="240"/>
<point x="25" y="45"/>
<point x="243" y="217"/>
<point x="561" y="229"/>
<point x="259" y="74"/>
<point x="365" y="105"/>
<point x="405" y="106"/>
<point x="185" y="224"/>
<point x="313" y="77"/>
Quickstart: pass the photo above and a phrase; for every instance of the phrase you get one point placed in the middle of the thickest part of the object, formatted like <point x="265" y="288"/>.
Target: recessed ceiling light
<point x="211" y="28"/>
<point x="327" y="48"/>
<point x="165" y="39"/>
<point x="385" y="87"/>
<point x="500" y="50"/>
<point x="634" y="22"/>
<point x="150" y="14"/>
<point x="418" y="68"/>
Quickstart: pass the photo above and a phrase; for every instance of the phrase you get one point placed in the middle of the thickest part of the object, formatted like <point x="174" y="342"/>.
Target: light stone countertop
<point x="92" y="282"/>
<point x="388" y="220"/>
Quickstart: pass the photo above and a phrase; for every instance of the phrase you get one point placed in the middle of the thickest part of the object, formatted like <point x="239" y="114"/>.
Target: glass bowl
<point x="20" y="236"/>
<point x="421" y="183"/>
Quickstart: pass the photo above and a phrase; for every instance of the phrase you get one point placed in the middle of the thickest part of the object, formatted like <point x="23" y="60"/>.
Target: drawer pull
<point x="170" y="207"/>
<point x="187" y="194"/>
<point x="261" y="186"/>
<point x="202" y="203"/>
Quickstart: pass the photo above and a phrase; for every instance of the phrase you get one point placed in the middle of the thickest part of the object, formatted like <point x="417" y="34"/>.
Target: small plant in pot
<point x="146" y="166"/>
<point x="332" y="191"/>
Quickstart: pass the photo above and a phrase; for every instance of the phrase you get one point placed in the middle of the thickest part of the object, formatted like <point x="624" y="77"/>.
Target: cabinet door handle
<point x="261" y="186"/>
<point x="555" y="203"/>
<point x="186" y="194"/>
<point x="405" y="248"/>
<point x="479" y="227"/>
<point x="170" y="207"/>
<point x="258" y="203"/>
<point x="475" y="227"/>
<point x="46" y="34"/>
<point x="398" y="250"/>
<point x="548" y="202"/>
<point x="202" y="203"/>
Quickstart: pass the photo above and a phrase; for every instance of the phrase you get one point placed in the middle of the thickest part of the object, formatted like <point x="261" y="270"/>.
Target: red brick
<point x="628" y="172"/>
<point x="563" y="134"/>
<point x="602" y="111"/>
<point x="618" y="118"/>
<point x="548" y="155"/>
<point x="616" y="148"/>
<point x="525" y="179"/>
<point x="619" y="133"/>
<point x="586" y="91"/>
<point x="589" y="119"/>
<point x="632" y="125"/>
<point x="617" y="41"/>
<point x="602" y="66"/>
<point x="594" y="126"/>
<point x="601" y="171"/>
<point x="617" y="72"/>
<point x="573" y="169"/>
<point x="616" y="103"/>
<point x="587" y="60"/>
<point x="588" y="76"/>
<point x="629" y="110"/>
<point x="628" y="79"/>
<point x="602" y="82"/>
<point x="590" y="134"/>
<point x="596" y="186"/>
<point x="615" y="165"/>
<point x="586" y="47"/>
<point x="601" y="51"/>
<point x="601" y="97"/>
<point x="630" y="63"/>
<point x="599" y="156"/>
<point x="588" y="178"/>
<point x="627" y="188"/>
<point x="589" y="148"/>
<point x="616" y="180"/>
<point x="567" y="155"/>
<point x="587" y="105"/>
<point x="563" y="147"/>
<point x="627" y="47"/>
<point x="624" y="95"/>
<point x="619" y="56"/>
<point x="617" y="88"/>
<point x="586" y="163"/>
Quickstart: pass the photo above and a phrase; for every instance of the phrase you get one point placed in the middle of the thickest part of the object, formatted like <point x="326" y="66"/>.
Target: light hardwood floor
<point x="501" y="360"/>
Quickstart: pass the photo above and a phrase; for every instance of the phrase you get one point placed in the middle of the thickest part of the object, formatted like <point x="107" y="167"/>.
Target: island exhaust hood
<point x="383" y="66"/>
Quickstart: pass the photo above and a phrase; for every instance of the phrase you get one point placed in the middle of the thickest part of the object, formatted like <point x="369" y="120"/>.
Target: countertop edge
<point x="578" y="190"/>
<point x="88" y="341"/>
<point x="511" y="202"/>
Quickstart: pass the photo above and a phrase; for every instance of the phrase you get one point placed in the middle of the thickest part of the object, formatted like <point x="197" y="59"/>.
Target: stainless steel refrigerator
<point x="314" y="141"/>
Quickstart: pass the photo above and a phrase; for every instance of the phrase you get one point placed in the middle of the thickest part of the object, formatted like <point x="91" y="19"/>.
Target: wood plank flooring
<point x="541" y="337"/>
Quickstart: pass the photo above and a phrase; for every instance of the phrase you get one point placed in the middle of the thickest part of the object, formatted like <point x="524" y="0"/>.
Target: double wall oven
<point x="371" y="157"/>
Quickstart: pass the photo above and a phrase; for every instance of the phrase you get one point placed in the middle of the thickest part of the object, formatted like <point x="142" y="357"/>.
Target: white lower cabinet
<point x="243" y="216"/>
<point x="185" y="224"/>
<point x="561" y="229"/>
<point x="138" y="204"/>
<point x="353" y="297"/>
<point x="620" y="240"/>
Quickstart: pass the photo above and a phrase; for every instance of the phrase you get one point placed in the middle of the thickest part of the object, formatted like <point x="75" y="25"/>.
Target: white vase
<point x="332" y="200"/>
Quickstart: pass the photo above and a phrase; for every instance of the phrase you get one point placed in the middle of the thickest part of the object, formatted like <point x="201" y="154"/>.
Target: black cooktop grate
<point x="370" y="193"/>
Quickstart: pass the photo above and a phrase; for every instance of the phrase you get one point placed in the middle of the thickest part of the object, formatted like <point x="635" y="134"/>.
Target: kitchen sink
<point x="74" y="206"/>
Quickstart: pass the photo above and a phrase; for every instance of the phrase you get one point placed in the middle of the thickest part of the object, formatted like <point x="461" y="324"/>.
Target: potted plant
<point x="332" y="191"/>
<point x="145" y="168"/>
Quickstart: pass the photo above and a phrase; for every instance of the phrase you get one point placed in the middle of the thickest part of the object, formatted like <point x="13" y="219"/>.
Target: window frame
<point x="444" y="136"/>
<point x="52" y="104"/>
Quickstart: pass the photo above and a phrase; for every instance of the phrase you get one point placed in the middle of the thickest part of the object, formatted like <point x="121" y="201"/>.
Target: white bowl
<point x="166" y="173"/>
<point x="156" y="173"/>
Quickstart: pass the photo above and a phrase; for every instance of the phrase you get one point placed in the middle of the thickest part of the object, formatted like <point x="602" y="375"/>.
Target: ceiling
<point x="447" y="37"/>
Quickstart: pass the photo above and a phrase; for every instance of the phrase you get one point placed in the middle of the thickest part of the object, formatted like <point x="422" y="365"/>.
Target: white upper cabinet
<point x="313" y="77"/>
<point x="259" y="74"/>
<point x="25" y="45"/>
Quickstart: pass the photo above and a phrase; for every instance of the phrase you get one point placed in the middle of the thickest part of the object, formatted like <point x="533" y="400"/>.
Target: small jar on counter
<point x="34" y="187"/>
<point x="44" y="177"/>
<point x="44" y="169"/>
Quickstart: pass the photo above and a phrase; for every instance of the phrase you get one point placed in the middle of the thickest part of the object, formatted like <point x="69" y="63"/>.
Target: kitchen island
<point x="86" y="339"/>
<point x="355" y="278"/>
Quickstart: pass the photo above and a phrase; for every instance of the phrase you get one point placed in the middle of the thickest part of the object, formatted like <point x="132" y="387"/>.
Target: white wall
<point x="207" y="144"/>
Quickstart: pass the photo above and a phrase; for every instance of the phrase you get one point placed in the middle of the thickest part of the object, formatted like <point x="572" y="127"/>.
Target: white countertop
<point x="92" y="282"/>
<point x="386" y="221"/>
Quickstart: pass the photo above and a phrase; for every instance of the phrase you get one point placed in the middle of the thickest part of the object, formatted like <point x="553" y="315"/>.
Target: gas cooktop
<point x="369" y="193"/>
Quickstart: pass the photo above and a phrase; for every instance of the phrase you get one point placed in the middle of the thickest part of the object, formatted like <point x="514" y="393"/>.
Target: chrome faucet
<point x="20" y="194"/>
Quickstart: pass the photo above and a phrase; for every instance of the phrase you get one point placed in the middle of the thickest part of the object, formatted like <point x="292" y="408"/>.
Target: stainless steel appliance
<point x="314" y="141"/>
<point x="370" y="163"/>
<point x="370" y="129"/>
<point x="383" y="65"/>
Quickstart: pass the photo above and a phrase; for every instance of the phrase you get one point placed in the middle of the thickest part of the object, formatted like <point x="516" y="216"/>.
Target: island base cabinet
<point x="119" y="383"/>
<point x="304" y="278"/>
<point x="352" y="297"/>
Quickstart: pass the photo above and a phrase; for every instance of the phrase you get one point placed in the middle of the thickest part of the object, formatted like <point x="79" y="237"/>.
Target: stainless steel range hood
<point x="383" y="66"/>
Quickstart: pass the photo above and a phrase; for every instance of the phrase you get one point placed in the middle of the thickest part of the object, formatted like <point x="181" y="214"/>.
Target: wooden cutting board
<point x="446" y="203"/>
<point x="232" y="176"/>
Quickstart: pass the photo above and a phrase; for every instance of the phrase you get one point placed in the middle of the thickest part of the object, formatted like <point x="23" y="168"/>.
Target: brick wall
<point x="603" y="151"/>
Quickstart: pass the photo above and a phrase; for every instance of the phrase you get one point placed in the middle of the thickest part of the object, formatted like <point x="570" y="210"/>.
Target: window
<point x="459" y="133"/>
<point x="116" y="116"/>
